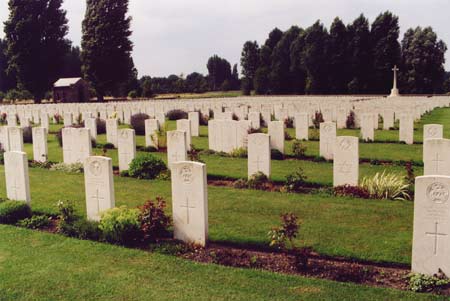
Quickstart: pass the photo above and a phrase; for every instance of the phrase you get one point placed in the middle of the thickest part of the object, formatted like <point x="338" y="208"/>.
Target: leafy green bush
<point x="289" y="123"/>
<point x="35" y="222"/>
<point x="146" y="166"/>
<point x="239" y="153"/>
<point x="121" y="226"/>
<point x="258" y="181"/>
<point x="177" y="115"/>
<point x="318" y="119"/>
<point x="13" y="211"/>
<point x="69" y="168"/>
<point x="295" y="181"/>
<point x="86" y="229"/>
<point x="386" y="186"/>
<point x="276" y="154"/>
<point x="279" y="236"/>
<point x="137" y="122"/>
<point x="16" y="94"/>
<point x="298" y="149"/>
<point x="133" y="94"/>
<point x="154" y="222"/>
<point x="426" y="283"/>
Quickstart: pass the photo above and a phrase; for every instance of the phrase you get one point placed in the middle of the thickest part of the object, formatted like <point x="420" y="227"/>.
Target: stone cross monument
<point x="394" y="91"/>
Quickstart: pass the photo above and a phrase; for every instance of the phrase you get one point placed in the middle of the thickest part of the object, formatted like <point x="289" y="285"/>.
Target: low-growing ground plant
<point x="350" y="122"/>
<point x="318" y="119"/>
<point x="258" y="181"/>
<point x="69" y="168"/>
<point x="194" y="154"/>
<point x="13" y="211"/>
<point x="177" y="115"/>
<point x="295" y="181"/>
<point x="289" y="122"/>
<point x="121" y="225"/>
<point x="35" y="222"/>
<point x="276" y="154"/>
<point x="146" y="166"/>
<point x="351" y="191"/>
<point x="298" y="149"/>
<point x="386" y="186"/>
<point x="239" y="153"/>
<point x="154" y="222"/>
<point x="425" y="283"/>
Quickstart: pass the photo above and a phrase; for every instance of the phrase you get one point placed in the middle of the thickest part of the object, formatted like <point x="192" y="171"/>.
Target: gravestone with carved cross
<point x="99" y="186"/>
<point x="327" y="139"/>
<point x="190" y="202"/>
<point x="436" y="157"/>
<point x="259" y="154"/>
<point x="16" y="176"/>
<point x="431" y="238"/>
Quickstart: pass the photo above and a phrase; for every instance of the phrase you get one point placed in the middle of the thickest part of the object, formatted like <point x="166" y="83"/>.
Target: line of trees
<point x="354" y="58"/>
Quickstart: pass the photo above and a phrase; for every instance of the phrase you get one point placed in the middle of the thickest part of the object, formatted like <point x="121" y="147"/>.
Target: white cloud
<point x="178" y="36"/>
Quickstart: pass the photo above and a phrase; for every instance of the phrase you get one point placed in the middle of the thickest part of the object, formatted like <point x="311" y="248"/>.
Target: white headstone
<point x="433" y="131"/>
<point x="16" y="174"/>
<point x="176" y="147"/>
<point x="190" y="202"/>
<point x="194" y="118"/>
<point x="4" y="138"/>
<point x="112" y="126"/>
<point x="99" y="186"/>
<point x="276" y="133"/>
<point x="406" y="133"/>
<point x="185" y="125"/>
<point x="327" y="139"/>
<point x="436" y="157"/>
<point x="126" y="140"/>
<point x="77" y="145"/>
<point x="91" y="124"/>
<point x="255" y="119"/>
<point x="15" y="135"/>
<point x="151" y="133"/>
<point x="40" y="149"/>
<point x="367" y="130"/>
<point x="259" y="154"/>
<point x="346" y="161"/>
<point x="431" y="238"/>
<point x="301" y="126"/>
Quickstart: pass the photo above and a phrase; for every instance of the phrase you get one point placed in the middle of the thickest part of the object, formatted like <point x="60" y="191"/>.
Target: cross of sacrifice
<point x="97" y="198"/>
<point x="436" y="235"/>
<point x="188" y="207"/>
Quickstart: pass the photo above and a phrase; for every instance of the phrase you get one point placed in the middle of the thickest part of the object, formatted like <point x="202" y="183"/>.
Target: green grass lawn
<point x="40" y="266"/>
<point x="363" y="229"/>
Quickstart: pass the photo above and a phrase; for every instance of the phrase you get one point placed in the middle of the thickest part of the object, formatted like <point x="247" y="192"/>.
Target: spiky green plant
<point x="386" y="186"/>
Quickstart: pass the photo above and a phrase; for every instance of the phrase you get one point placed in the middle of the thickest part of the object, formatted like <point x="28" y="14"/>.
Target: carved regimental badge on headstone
<point x="99" y="186"/>
<point x="431" y="241"/>
<point x="190" y="202"/>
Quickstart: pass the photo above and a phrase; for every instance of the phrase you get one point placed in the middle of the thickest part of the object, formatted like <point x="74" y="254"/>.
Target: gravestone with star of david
<point x="99" y="186"/>
<point x="16" y="176"/>
<point x="346" y="161"/>
<point x="431" y="232"/>
<point x="190" y="202"/>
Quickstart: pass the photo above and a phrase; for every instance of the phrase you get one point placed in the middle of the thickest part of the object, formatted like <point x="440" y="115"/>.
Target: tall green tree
<point x="7" y="81"/>
<point x="281" y="80"/>
<point x="338" y="58"/>
<point x="360" y="55"/>
<point x="219" y="71"/>
<point x="423" y="61"/>
<point x="106" y="46"/>
<point x="72" y="63"/>
<point x="384" y="36"/>
<point x="250" y="61"/>
<point x="298" y="68"/>
<point x="315" y="56"/>
<point x="35" y="36"/>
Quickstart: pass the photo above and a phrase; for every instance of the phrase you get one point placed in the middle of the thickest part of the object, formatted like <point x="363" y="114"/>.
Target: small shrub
<point x="239" y="153"/>
<point x="240" y="184"/>
<point x="13" y="211"/>
<point x="350" y="122"/>
<point x="258" y="181"/>
<point x="426" y="283"/>
<point x="66" y="218"/>
<point x="318" y="119"/>
<point x="108" y="146"/>
<point x="295" y="181"/>
<point x="35" y="222"/>
<point x="58" y="118"/>
<point x="298" y="149"/>
<point x="86" y="229"/>
<point x="146" y="166"/>
<point x="194" y="154"/>
<point x="289" y="123"/>
<point x="280" y="236"/>
<point x="121" y="226"/>
<point x="154" y="222"/>
<point x="204" y="119"/>
<point x="101" y="126"/>
<point x="386" y="186"/>
<point x="235" y="117"/>
<point x="133" y="94"/>
<point x="351" y="191"/>
<point x="410" y="178"/>
<point x="137" y="122"/>
<point x="276" y="154"/>
<point x="254" y="131"/>
<point x="2" y="156"/>
<point x="68" y="168"/>
<point x="177" y="115"/>
<point x="287" y="136"/>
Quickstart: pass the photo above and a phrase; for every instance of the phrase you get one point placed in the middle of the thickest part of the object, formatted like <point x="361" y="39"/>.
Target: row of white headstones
<point x="189" y="186"/>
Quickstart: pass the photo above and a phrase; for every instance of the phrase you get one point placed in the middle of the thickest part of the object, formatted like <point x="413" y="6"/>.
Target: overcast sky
<point x="178" y="36"/>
